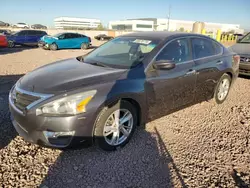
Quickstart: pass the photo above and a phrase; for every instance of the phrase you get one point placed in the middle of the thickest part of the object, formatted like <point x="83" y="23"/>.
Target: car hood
<point x="48" y="38"/>
<point x="241" y="48"/>
<point x="66" y="75"/>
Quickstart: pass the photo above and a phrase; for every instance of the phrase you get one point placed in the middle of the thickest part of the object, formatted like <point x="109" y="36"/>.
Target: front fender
<point x="49" y="41"/>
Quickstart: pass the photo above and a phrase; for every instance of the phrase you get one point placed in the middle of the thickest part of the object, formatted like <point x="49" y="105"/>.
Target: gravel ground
<point x="206" y="145"/>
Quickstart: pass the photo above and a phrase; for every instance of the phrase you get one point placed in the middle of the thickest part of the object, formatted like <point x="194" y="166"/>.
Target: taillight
<point x="89" y="39"/>
<point x="236" y="59"/>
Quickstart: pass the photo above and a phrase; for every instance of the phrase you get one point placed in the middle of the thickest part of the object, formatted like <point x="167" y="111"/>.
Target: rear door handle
<point x="191" y="72"/>
<point x="219" y="62"/>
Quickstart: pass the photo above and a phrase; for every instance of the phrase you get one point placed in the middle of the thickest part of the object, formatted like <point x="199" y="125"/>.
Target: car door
<point x="20" y="37"/>
<point x="62" y="41"/>
<point x="169" y="90"/>
<point x="65" y="41"/>
<point x="208" y="62"/>
<point x="32" y="37"/>
<point x="76" y="40"/>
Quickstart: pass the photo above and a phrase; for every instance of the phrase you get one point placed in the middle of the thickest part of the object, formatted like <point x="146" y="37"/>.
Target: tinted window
<point x="22" y="33"/>
<point x="31" y="32"/>
<point x="74" y="35"/>
<point x="202" y="48"/>
<point x="177" y="51"/>
<point x="218" y="48"/>
<point x="68" y="36"/>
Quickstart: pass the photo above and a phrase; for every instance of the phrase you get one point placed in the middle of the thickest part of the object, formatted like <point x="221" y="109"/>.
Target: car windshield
<point x="15" y="33"/>
<point x="245" y="39"/>
<point x="123" y="52"/>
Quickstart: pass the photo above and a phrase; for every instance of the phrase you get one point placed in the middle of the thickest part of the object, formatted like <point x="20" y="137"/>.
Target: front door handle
<point x="191" y="72"/>
<point x="219" y="62"/>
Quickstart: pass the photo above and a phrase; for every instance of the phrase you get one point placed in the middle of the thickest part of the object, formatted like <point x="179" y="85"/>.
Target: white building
<point x="161" y="24"/>
<point x="132" y="25"/>
<point x="76" y="23"/>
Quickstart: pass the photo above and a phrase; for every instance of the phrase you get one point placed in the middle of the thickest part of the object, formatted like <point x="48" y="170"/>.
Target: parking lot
<point x="201" y="146"/>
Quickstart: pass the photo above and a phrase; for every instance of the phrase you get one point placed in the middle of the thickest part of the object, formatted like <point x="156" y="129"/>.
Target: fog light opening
<point x="59" y="138"/>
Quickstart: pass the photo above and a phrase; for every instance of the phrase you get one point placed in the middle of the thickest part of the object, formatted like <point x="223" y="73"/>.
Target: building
<point x="132" y="25"/>
<point x="76" y="23"/>
<point x="163" y="24"/>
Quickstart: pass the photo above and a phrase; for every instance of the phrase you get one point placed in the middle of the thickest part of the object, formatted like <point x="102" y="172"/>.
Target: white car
<point x="21" y="25"/>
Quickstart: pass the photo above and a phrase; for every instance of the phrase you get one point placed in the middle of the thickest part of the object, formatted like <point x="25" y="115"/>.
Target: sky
<point x="44" y="12"/>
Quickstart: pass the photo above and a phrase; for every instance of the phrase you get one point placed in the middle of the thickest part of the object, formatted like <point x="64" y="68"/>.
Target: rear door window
<point x="75" y="35"/>
<point x="202" y="48"/>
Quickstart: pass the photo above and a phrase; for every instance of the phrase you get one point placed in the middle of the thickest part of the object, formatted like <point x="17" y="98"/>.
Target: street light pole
<point x="169" y="11"/>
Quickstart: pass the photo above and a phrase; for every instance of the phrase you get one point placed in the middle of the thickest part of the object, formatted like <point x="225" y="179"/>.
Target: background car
<point x="5" y="31"/>
<point x="3" y="24"/>
<point x="38" y="26"/>
<point x="242" y="47"/>
<point x="103" y="37"/>
<point x="21" y="25"/>
<point x="25" y="37"/>
<point x="3" y="41"/>
<point x="64" y="41"/>
<point x="103" y="96"/>
<point x="239" y="36"/>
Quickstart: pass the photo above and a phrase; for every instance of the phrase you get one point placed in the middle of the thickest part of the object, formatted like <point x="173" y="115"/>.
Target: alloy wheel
<point x="223" y="89"/>
<point x="118" y="127"/>
<point x="11" y="44"/>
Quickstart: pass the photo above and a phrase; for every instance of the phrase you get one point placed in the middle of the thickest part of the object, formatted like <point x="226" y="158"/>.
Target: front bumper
<point x="31" y="127"/>
<point x="245" y="68"/>
<point x="42" y="44"/>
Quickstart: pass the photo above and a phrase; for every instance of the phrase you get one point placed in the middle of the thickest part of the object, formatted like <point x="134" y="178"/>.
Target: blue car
<point x="64" y="41"/>
<point x="25" y="37"/>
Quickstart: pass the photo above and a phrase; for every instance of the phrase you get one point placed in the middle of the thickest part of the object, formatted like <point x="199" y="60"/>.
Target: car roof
<point x="161" y="34"/>
<point x="71" y="33"/>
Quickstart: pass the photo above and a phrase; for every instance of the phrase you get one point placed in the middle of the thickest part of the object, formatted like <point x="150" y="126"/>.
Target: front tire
<point x="115" y="125"/>
<point x="11" y="44"/>
<point x="222" y="88"/>
<point x="53" y="47"/>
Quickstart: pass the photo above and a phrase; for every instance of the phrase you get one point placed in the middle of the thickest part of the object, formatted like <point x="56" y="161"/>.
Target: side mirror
<point x="164" y="64"/>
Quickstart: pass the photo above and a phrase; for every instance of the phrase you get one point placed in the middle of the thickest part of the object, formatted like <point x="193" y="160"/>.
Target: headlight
<point x="70" y="105"/>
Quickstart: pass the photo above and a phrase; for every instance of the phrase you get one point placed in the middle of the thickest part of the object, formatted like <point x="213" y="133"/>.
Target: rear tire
<point x="104" y="137"/>
<point x="84" y="46"/>
<point x="53" y="47"/>
<point x="222" y="89"/>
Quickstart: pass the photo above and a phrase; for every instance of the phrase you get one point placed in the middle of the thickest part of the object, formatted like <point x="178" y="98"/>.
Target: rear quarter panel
<point x="82" y="40"/>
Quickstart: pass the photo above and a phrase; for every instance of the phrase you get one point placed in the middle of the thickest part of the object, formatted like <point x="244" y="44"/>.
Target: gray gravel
<point x="206" y="145"/>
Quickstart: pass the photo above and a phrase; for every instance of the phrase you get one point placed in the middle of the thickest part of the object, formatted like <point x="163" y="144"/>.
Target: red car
<point x="3" y="41"/>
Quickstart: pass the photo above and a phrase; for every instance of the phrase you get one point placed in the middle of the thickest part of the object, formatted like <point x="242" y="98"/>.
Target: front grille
<point x="245" y="59"/>
<point x="22" y="100"/>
